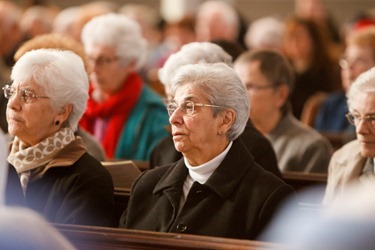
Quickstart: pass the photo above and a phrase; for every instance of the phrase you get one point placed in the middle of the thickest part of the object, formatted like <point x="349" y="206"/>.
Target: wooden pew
<point x="300" y="180"/>
<point x="314" y="182"/>
<point x="98" y="238"/>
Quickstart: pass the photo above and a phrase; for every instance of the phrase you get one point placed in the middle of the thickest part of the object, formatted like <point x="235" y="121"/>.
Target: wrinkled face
<point x="195" y="133"/>
<point x="264" y="100"/>
<point x="363" y="105"/>
<point x="106" y="71"/>
<point x="357" y="59"/>
<point x="30" y="121"/>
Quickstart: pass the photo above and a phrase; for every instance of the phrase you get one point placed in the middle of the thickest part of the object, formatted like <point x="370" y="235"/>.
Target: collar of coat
<point x="223" y="181"/>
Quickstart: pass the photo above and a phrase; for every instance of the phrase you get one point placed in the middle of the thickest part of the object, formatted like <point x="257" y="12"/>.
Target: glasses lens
<point x="8" y="91"/>
<point x="26" y="95"/>
<point x="351" y="118"/>
<point x="188" y="107"/>
<point x="171" y="107"/>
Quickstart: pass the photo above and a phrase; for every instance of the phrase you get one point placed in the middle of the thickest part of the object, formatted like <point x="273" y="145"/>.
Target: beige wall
<point x="341" y="9"/>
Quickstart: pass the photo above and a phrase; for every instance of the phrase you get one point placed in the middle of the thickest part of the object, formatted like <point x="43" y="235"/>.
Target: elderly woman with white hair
<point x="123" y="112"/>
<point x="50" y="170"/>
<point x="207" y="52"/>
<point x="217" y="189"/>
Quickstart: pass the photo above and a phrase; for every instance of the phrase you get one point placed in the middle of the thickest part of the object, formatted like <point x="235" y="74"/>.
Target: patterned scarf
<point x="25" y="158"/>
<point x="115" y="110"/>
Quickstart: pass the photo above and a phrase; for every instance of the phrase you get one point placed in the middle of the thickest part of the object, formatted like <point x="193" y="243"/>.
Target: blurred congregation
<point x="189" y="118"/>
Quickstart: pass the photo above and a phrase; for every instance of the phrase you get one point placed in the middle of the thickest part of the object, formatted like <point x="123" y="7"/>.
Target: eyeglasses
<point x="250" y="86"/>
<point x="27" y="95"/>
<point x="188" y="107"/>
<point x="355" y="119"/>
<point x="102" y="60"/>
<point x="345" y="63"/>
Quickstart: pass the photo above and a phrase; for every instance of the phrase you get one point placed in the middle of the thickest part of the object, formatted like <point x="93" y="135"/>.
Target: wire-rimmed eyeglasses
<point x="26" y="95"/>
<point x="188" y="107"/>
<point x="355" y="119"/>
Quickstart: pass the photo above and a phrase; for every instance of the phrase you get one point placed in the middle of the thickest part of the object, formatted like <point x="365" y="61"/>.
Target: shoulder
<point x="347" y="152"/>
<point x="89" y="167"/>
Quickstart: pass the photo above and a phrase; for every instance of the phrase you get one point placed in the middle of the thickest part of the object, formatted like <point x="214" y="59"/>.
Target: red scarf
<point x="115" y="109"/>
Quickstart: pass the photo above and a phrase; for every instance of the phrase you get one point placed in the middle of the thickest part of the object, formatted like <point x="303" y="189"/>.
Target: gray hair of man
<point x="119" y="32"/>
<point x="221" y="86"/>
<point x="61" y="74"/>
<point x="365" y="83"/>
<point x="192" y="53"/>
<point x="225" y="10"/>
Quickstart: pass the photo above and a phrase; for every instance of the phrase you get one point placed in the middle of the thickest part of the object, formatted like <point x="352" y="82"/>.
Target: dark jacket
<point x="237" y="201"/>
<point x="78" y="194"/>
<point x="258" y="145"/>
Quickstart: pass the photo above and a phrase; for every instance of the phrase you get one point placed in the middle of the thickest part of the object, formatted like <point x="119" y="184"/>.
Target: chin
<point x="368" y="152"/>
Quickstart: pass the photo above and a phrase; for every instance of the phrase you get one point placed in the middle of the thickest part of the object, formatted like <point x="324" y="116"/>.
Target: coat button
<point x="200" y="194"/>
<point x="181" y="228"/>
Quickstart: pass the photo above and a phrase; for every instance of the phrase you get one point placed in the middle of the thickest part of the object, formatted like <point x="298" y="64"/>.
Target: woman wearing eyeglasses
<point x="123" y="113"/>
<point x="216" y="189"/>
<point x="50" y="170"/>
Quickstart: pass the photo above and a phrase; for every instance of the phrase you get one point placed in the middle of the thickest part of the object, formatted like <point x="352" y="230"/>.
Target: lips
<point x="16" y="119"/>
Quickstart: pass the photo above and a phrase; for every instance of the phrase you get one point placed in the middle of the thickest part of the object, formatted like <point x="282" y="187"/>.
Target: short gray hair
<point x="191" y="53"/>
<point x="117" y="31"/>
<point x="221" y="86"/>
<point x="365" y="83"/>
<point x="62" y="76"/>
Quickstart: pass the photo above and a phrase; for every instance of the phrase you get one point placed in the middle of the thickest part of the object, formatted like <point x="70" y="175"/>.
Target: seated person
<point x="255" y="142"/>
<point x="359" y="56"/>
<point x="50" y="170"/>
<point x="17" y="227"/>
<point x="123" y="113"/>
<point x="354" y="162"/>
<point x="57" y="41"/>
<point x="268" y="77"/>
<point x="217" y="189"/>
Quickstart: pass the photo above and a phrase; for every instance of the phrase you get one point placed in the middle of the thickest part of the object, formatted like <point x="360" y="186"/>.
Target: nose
<point x="14" y="102"/>
<point x="362" y="127"/>
<point x="176" y="117"/>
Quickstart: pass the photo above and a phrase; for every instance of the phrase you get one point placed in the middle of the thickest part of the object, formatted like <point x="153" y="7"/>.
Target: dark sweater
<point x="78" y="194"/>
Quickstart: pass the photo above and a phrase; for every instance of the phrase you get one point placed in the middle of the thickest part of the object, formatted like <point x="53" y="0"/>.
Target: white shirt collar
<point x="202" y="172"/>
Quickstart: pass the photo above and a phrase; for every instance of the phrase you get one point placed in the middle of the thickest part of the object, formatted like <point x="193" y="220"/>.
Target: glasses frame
<point x="250" y="86"/>
<point x="352" y="119"/>
<point x="26" y="95"/>
<point x="103" y="60"/>
<point x="184" y="108"/>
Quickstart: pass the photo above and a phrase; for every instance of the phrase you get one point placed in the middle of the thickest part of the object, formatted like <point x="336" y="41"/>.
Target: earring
<point x="221" y="132"/>
<point x="57" y="122"/>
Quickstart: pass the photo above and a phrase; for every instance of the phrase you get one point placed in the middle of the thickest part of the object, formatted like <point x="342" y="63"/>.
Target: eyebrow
<point x="357" y="112"/>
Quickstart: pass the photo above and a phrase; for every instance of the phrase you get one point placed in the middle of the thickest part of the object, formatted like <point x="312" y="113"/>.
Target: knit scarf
<point x="115" y="110"/>
<point x="26" y="158"/>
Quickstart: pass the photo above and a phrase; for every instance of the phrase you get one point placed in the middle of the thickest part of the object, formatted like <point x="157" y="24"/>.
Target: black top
<point x="78" y="194"/>
<point x="237" y="201"/>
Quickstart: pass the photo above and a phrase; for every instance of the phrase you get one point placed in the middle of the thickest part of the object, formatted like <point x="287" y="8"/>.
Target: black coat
<point x="258" y="145"/>
<point x="78" y="194"/>
<point x="237" y="201"/>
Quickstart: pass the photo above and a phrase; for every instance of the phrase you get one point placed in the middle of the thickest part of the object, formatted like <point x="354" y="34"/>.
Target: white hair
<point x="221" y="86"/>
<point x="365" y="83"/>
<point x="62" y="75"/>
<point x="65" y="19"/>
<point x="265" y="32"/>
<point x="193" y="53"/>
<point x="117" y="31"/>
<point x="226" y="12"/>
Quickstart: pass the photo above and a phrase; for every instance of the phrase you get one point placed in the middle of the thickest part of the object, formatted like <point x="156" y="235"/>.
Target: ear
<point x="64" y="113"/>
<point x="283" y="93"/>
<point x="228" y="117"/>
